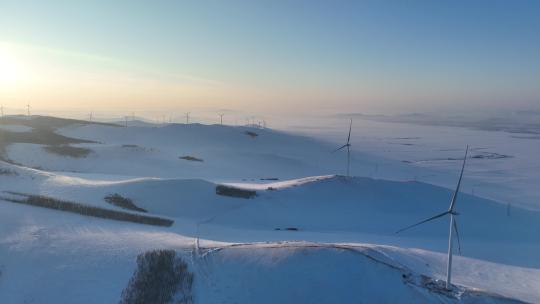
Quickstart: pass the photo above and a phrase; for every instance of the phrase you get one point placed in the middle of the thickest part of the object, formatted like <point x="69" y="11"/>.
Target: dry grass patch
<point x="191" y="158"/>
<point x="122" y="202"/>
<point x="57" y="204"/>
<point x="67" y="150"/>
<point x="235" y="192"/>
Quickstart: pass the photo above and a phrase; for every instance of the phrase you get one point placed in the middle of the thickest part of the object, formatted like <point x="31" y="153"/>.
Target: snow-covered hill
<point x="225" y="153"/>
<point x="241" y="250"/>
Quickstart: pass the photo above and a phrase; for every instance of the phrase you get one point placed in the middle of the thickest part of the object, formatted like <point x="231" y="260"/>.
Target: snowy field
<point x="291" y="230"/>
<point x="504" y="166"/>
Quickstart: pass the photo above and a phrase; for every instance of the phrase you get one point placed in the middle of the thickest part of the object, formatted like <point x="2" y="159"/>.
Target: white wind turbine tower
<point x="453" y="224"/>
<point x="187" y="118"/>
<point x="221" y="118"/>
<point x="348" y="146"/>
<point x="28" y="110"/>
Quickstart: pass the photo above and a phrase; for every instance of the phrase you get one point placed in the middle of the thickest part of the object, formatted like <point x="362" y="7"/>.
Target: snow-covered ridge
<point x="230" y="240"/>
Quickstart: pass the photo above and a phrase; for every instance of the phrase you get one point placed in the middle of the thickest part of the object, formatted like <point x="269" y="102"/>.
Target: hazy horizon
<point x="267" y="58"/>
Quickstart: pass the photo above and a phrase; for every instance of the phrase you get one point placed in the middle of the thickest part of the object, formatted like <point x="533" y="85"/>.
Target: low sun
<point x="9" y="70"/>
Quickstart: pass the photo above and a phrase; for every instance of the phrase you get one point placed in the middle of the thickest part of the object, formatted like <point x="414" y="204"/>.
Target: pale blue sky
<point x="370" y="56"/>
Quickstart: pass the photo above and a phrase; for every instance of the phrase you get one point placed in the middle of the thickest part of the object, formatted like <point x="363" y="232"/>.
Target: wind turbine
<point x="348" y="146"/>
<point x="187" y="118"/>
<point x="221" y="118"/>
<point x="28" y="109"/>
<point x="453" y="224"/>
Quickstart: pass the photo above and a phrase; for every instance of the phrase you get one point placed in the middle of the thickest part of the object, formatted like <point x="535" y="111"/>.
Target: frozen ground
<point x="504" y="166"/>
<point x="246" y="250"/>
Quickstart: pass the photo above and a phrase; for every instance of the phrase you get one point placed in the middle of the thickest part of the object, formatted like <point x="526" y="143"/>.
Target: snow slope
<point x="227" y="153"/>
<point x="229" y="242"/>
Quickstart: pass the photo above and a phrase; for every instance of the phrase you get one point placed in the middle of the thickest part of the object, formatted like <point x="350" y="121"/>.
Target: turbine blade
<point x="455" y="195"/>
<point x="349" y="137"/>
<point x="339" y="148"/>
<point x="457" y="236"/>
<point x="424" y="221"/>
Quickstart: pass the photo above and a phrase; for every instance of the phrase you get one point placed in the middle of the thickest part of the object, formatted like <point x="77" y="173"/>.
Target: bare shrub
<point x="251" y="134"/>
<point x="160" y="277"/>
<point x="191" y="158"/>
<point x="122" y="202"/>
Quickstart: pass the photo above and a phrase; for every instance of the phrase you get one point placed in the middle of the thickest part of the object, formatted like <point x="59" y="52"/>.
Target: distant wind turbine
<point x="2" y="110"/>
<point x="28" y="109"/>
<point x="187" y="118"/>
<point x="453" y="224"/>
<point x="221" y="118"/>
<point x="348" y="146"/>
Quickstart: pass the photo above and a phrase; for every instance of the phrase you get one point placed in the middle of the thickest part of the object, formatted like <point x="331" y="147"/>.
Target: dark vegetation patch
<point x="406" y="138"/>
<point x="402" y="144"/>
<point x="270" y="179"/>
<point x="67" y="150"/>
<point x="490" y="155"/>
<point x="479" y="155"/>
<point x="160" y="277"/>
<point x="235" y="192"/>
<point x="46" y="122"/>
<point x="8" y="172"/>
<point x="288" y="229"/>
<point x="43" y="132"/>
<point x="122" y="202"/>
<point x="251" y="134"/>
<point x="57" y="204"/>
<point x="191" y="158"/>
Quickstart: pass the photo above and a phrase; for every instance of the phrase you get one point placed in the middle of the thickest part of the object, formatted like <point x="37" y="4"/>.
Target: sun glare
<point x="9" y="69"/>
